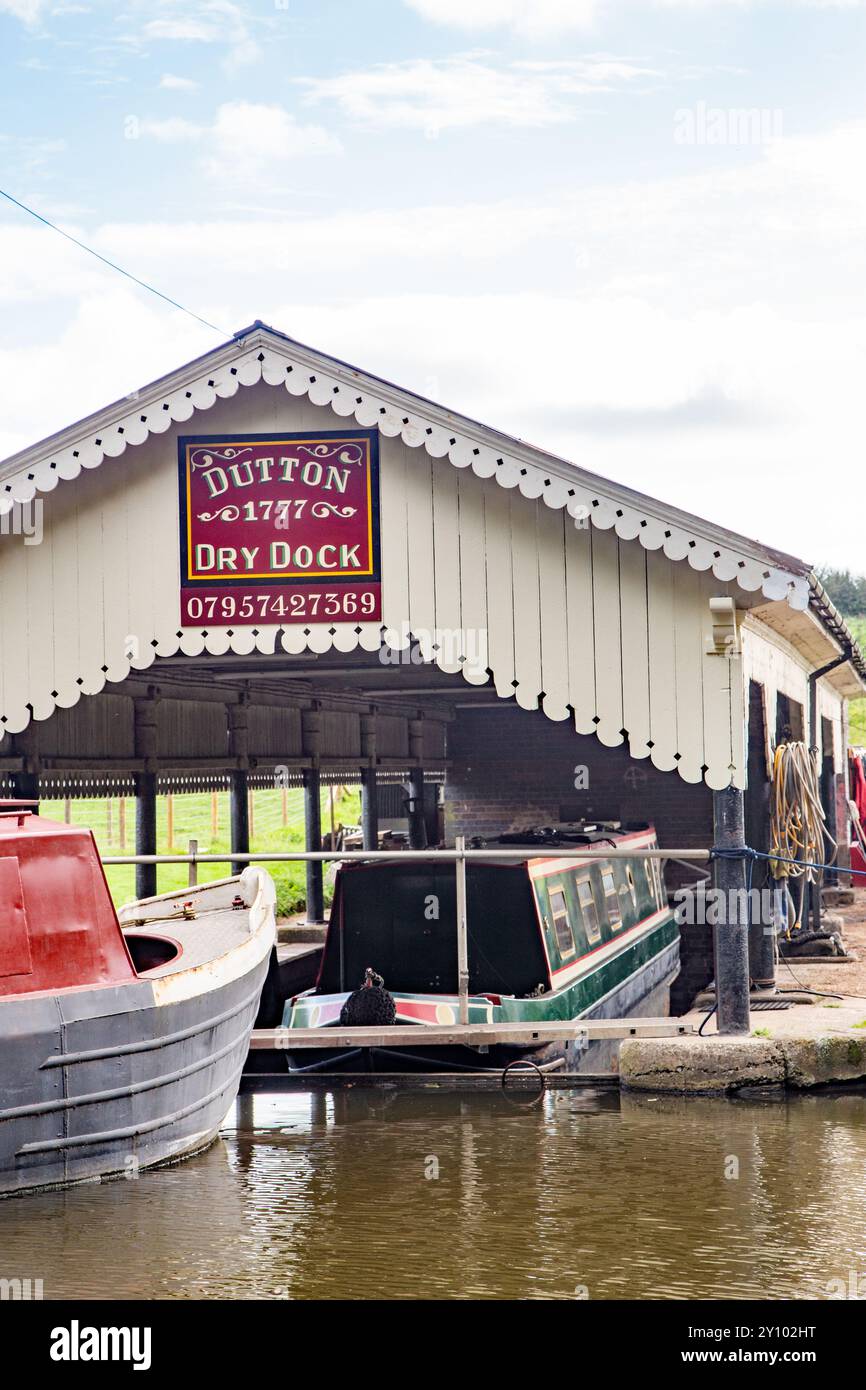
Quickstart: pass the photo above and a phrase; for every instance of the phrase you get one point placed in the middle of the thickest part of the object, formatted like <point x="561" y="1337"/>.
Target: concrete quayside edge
<point x="804" y="1049"/>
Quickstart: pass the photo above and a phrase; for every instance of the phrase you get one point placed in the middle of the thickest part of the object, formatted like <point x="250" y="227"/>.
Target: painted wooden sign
<point x="279" y="529"/>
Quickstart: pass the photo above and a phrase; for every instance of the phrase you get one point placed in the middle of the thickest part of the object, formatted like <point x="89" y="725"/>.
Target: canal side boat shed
<point x="272" y="568"/>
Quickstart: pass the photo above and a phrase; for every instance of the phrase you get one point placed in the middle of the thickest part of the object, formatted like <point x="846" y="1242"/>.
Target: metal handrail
<point x="317" y="856"/>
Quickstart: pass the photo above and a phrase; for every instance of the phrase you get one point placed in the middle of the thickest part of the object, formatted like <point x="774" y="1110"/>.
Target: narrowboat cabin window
<point x="561" y="925"/>
<point x="657" y="880"/>
<point x="652" y="880"/>
<point x="586" y="898"/>
<point x="631" y="887"/>
<point x="611" y="898"/>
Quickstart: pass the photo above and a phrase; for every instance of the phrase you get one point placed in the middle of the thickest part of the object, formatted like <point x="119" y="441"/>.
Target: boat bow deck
<point x="204" y="938"/>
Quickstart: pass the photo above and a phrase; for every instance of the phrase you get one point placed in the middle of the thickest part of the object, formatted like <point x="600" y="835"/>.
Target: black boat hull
<point x="105" y="1082"/>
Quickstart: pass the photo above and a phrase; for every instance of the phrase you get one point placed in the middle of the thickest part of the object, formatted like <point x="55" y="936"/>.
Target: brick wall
<point x="512" y="768"/>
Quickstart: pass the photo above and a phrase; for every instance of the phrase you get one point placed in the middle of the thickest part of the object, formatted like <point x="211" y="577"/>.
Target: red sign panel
<point x="279" y="529"/>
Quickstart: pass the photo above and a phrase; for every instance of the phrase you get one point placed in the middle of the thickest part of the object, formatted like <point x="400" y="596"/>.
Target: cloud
<point x="218" y="22"/>
<point x="543" y="19"/>
<point x="163" y="338"/>
<point x="251" y="140"/>
<point x="530" y="18"/>
<point x="29" y="11"/>
<point x="247" y="142"/>
<point x="754" y="4"/>
<point x="181" y="31"/>
<point x="29" y="156"/>
<point x="670" y="333"/>
<point x="404" y="239"/>
<point x="572" y="373"/>
<point x="450" y="93"/>
<point x="754" y="396"/>
<point x="177" y="84"/>
<point x="174" y="130"/>
<point x="39" y="268"/>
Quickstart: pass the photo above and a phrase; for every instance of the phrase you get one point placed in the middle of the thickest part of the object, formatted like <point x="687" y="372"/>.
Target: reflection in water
<point x="336" y="1195"/>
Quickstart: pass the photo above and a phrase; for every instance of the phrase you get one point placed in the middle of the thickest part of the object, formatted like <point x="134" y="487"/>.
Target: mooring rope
<point x="746" y="852"/>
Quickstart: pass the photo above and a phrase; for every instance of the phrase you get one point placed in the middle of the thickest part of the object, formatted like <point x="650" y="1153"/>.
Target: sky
<point x="630" y="231"/>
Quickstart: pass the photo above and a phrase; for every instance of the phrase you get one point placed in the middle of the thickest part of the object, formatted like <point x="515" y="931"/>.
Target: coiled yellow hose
<point x="798" y="825"/>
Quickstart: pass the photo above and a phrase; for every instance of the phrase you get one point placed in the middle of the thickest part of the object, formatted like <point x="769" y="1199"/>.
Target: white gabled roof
<point x="262" y="353"/>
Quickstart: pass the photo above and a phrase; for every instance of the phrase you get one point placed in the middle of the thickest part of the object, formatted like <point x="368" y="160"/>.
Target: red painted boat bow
<point x="58" y="926"/>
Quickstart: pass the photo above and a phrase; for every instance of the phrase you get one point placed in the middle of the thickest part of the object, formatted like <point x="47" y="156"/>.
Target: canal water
<point x="370" y="1194"/>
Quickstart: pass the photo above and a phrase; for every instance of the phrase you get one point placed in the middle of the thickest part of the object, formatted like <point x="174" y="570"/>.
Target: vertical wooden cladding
<point x="15" y="637"/>
<point x="525" y="601"/>
<point x="590" y="626"/>
<point x="607" y="609"/>
<point x="445" y="523"/>
<point x="274" y="732"/>
<point x="553" y="609"/>
<point x="498" y="586"/>
<point x="392" y="736"/>
<point x="580" y="626"/>
<point x="434" y="739"/>
<point x="191" y="729"/>
<point x="341" y="732"/>
<point x="689" y="625"/>
<point x="418" y="486"/>
<point x="473" y="559"/>
<point x="662" y="651"/>
<point x="106" y="725"/>
<point x="634" y="629"/>
<point x="393" y="512"/>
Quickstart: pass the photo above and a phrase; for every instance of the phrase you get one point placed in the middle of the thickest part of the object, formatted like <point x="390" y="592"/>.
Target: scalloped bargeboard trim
<point x="465" y="445"/>
<point x="449" y="436"/>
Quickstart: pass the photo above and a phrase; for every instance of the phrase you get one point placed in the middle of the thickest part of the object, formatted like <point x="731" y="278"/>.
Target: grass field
<point x="857" y="708"/>
<point x="275" y="825"/>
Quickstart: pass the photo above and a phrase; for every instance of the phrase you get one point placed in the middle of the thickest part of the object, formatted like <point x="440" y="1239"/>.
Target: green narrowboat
<point x="562" y="931"/>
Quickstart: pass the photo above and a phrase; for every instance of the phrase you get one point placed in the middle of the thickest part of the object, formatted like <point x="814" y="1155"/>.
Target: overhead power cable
<point x="112" y="264"/>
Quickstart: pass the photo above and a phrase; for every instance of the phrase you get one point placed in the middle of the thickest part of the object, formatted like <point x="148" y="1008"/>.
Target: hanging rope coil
<point x="798" y="825"/>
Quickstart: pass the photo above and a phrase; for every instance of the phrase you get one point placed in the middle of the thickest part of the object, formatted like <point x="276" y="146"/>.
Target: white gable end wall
<point x="262" y="355"/>
<point x="595" y="628"/>
<point x="776" y="665"/>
